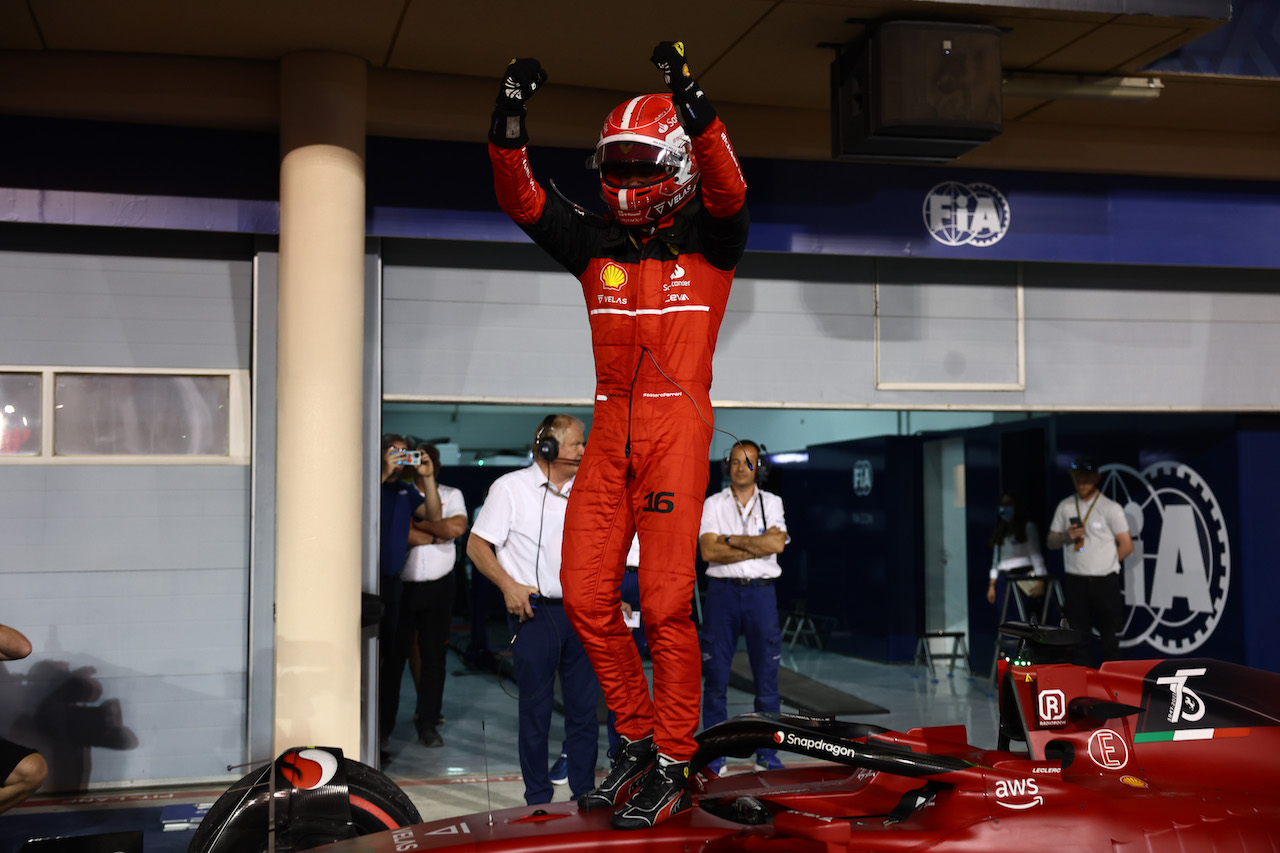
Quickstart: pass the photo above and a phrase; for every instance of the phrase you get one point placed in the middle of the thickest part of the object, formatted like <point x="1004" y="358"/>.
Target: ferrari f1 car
<point x="1137" y="755"/>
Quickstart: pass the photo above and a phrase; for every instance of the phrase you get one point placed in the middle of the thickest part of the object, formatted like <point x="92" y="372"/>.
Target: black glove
<point x="696" y="112"/>
<point x="523" y="78"/>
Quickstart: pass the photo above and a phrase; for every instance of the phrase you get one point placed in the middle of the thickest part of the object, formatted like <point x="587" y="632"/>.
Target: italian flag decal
<point x="1189" y="734"/>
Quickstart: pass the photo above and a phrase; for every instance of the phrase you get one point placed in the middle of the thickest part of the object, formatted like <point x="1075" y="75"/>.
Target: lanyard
<point x="747" y="518"/>
<point x="1085" y="521"/>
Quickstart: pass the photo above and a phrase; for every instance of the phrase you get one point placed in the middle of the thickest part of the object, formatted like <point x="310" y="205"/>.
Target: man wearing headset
<point x="515" y="543"/>
<point x="743" y="532"/>
<point x="655" y="275"/>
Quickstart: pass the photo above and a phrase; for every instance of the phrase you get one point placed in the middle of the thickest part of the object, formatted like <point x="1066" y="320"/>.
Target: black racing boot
<point x="663" y="793"/>
<point x="631" y="758"/>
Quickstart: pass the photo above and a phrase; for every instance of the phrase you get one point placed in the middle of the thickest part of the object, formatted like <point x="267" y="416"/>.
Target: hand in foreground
<point x="516" y="598"/>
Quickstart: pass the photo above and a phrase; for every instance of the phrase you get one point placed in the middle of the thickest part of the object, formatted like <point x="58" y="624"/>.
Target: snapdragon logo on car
<point x="835" y="749"/>
<point x="1177" y="578"/>
<point x="959" y="214"/>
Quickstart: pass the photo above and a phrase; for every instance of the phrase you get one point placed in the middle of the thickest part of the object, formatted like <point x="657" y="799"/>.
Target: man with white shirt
<point x="426" y="609"/>
<point x="743" y="531"/>
<point x="515" y="543"/>
<point x="1094" y="534"/>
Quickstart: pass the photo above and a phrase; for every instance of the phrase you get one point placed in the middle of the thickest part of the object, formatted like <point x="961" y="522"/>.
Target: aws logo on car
<point x="1177" y="579"/>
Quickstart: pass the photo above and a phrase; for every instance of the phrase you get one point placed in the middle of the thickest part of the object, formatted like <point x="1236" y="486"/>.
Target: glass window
<point x="141" y="414"/>
<point x="20" y="414"/>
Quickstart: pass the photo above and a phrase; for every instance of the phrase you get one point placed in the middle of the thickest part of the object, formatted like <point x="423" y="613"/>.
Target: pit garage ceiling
<point x="765" y="63"/>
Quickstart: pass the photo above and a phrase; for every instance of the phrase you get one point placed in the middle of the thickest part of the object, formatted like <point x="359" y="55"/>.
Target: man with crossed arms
<point x="743" y="531"/>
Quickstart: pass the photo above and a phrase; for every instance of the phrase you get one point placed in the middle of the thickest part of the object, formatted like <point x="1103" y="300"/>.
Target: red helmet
<point x="645" y="160"/>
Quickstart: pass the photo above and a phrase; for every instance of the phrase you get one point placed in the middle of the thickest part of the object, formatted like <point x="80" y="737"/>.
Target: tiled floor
<point x="477" y="768"/>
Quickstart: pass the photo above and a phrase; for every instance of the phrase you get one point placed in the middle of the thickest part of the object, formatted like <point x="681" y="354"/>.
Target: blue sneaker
<point x="716" y="766"/>
<point x="560" y="770"/>
<point x="768" y="761"/>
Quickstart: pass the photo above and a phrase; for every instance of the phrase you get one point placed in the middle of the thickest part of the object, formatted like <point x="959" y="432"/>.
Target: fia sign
<point x="959" y="214"/>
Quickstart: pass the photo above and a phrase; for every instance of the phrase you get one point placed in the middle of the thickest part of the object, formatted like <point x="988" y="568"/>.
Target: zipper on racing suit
<point x="631" y="397"/>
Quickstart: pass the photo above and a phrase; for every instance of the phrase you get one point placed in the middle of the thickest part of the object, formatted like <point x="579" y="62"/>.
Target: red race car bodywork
<point x="1137" y="755"/>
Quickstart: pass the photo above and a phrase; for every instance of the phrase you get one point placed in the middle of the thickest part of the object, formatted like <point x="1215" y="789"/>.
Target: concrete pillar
<point x="319" y="449"/>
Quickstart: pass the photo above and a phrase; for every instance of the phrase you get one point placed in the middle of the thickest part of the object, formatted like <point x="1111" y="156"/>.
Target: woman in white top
<point x="1015" y="544"/>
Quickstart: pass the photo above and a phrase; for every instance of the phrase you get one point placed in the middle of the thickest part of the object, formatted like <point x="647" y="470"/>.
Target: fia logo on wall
<point x="959" y="214"/>
<point x="862" y="477"/>
<point x="1177" y="578"/>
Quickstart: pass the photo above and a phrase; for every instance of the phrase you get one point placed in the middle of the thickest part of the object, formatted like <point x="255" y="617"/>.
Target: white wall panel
<point x="124" y="310"/>
<point x="803" y="334"/>
<point x="131" y="585"/>
<point x="470" y="334"/>
<point x="130" y="580"/>
<point x="776" y="332"/>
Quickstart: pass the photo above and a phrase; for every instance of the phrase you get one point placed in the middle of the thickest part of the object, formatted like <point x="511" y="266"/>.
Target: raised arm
<point x="519" y="195"/>
<point x="724" y="190"/>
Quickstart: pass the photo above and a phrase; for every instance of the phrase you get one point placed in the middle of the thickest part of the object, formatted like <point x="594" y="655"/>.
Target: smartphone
<point x="411" y="457"/>
<point x="1075" y="521"/>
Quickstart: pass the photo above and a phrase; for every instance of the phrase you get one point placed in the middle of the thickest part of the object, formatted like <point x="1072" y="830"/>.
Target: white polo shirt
<point x="434" y="561"/>
<point x="523" y="518"/>
<point x="1103" y="521"/>
<point x="723" y="515"/>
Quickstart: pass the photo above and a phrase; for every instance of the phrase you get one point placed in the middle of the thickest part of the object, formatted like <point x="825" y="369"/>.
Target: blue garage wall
<point x="851" y="562"/>
<point x="1259" y="507"/>
<point x="1195" y="484"/>
<point x="139" y="176"/>
<point x="1201" y="489"/>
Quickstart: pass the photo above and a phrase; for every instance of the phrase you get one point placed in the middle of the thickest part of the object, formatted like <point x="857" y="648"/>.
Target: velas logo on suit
<point x="959" y="214"/>
<point x="613" y="276"/>
<point x="1177" y="578"/>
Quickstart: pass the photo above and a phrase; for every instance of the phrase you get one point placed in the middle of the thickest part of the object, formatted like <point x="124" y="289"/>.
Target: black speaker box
<point x="916" y="90"/>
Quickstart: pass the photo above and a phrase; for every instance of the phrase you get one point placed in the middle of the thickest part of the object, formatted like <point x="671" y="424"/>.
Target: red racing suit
<point x="655" y="300"/>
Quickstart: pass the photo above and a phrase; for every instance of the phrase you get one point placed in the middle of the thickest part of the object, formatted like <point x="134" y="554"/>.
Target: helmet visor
<point x="625" y="175"/>
<point x="627" y="163"/>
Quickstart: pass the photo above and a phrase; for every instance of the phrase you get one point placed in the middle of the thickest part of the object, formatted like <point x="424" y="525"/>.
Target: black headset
<point x="545" y="444"/>
<point x="762" y="464"/>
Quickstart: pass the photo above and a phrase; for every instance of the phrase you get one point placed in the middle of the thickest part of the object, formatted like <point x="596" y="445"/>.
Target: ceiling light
<point x="1054" y="86"/>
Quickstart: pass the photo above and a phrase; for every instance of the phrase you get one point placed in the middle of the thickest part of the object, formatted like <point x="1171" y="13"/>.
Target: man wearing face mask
<point x="1015" y="552"/>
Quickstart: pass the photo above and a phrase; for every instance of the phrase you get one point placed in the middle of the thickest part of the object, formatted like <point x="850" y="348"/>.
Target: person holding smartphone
<point x="403" y="501"/>
<point x="1093" y="532"/>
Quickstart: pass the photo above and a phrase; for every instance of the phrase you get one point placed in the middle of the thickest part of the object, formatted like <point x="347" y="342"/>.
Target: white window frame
<point x="238" y="437"/>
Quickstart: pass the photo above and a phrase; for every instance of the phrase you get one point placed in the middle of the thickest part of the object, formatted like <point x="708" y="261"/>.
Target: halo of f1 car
<point x="1179" y="754"/>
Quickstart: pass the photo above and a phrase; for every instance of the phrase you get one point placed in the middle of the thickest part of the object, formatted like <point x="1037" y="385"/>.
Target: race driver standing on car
<point x="656" y="276"/>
